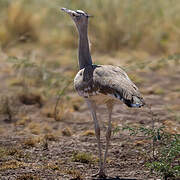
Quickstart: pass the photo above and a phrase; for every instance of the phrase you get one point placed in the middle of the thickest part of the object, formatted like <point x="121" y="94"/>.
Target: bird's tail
<point x="135" y="102"/>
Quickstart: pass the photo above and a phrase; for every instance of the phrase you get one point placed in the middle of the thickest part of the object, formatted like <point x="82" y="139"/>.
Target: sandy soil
<point x="28" y="152"/>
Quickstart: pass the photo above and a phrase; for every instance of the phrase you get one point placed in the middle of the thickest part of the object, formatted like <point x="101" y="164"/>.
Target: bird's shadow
<point x="111" y="178"/>
<point x="114" y="178"/>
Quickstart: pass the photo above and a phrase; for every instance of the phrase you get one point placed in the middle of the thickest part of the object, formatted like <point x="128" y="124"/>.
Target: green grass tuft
<point x="82" y="157"/>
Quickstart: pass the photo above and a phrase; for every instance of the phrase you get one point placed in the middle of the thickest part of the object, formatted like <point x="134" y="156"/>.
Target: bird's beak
<point x="68" y="11"/>
<point x="72" y="13"/>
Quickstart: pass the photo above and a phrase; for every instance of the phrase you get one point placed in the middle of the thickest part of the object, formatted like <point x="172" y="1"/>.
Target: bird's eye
<point x="73" y="15"/>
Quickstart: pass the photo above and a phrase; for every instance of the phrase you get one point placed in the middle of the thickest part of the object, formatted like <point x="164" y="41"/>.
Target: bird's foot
<point x="100" y="174"/>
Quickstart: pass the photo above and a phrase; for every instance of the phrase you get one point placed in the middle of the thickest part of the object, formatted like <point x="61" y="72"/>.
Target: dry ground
<point x="36" y="144"/>
<point x="33" y="145"/>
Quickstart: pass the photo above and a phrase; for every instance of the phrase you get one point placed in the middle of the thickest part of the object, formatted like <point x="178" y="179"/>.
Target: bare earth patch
<point x="33" y="145"/>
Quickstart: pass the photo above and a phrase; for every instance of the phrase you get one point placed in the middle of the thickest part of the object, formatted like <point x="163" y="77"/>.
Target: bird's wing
<point x="114" y="81"/>
<point x="108" y="80"/>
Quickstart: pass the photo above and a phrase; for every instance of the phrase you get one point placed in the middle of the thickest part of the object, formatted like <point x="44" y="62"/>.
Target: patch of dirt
<point x="35" y="147"/>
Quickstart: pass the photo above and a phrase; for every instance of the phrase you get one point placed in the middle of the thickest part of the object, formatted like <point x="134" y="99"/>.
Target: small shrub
<point x="14" y="152"/>
<point x="66" y="132"/>
<point x="20" y="24"/>
<point x="53" y="166"/>
<point x="165" y="149"/>
<point x="76" y="174"/>
<point x="166" y="162"/>
<point x="30" y="99"/>
<point x="32" y="142"/>
<point x="88" y="133"/>
<point x="82" y="157"/>
<point x="7" y="108"/>
<point x="51" y="137"/>
<point x="3" y="152"/>
<point x="35" y="128"/>
<point x="23" y="120"/>
<point x="27" y="176"/>
<point x="11" y="164"/>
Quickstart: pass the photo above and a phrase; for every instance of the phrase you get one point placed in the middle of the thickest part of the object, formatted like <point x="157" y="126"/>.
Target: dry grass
<point x="76" y="174"/>
<point x="83" y="157"/>
<point x="31" y="98"/>
<point x="88" y="133"/>
<point x="27" y="176"/>
<point x="47" y="128"/>
<point x="54" y="166"/>
<point x="24" y="120"/>
<point x="67" y="132"/>
<point x="15" y="82"/>
<point x="44" y="40"/>
<point x="171" y="127"/>
<point x="51" y="137"/>
<point x="8" y="107"/>
<point x="48" y="111"/>
<point x="64" y="111"/>
<point x="32" y="142"/>
<point x="127" y="26"/>
<point x="76" y="103"/>
<point x="12" y="164"/>
<point x="19" y="25"/>
<point x="35" y="128"/>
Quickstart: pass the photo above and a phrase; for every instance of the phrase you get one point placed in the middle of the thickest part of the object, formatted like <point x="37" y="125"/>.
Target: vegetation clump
<point x="164" y="154"/>
<point x="82" y="157"/>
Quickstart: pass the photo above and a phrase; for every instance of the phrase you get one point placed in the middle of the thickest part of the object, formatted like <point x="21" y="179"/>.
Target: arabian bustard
<point x="100" y="84"/>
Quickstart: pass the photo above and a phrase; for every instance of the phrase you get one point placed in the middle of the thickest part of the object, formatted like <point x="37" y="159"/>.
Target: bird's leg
<point x="108" y="131"/>
<point x="92" y="107"/>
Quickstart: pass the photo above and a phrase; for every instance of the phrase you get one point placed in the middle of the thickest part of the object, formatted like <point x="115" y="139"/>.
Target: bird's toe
<point x="100" y="174"/>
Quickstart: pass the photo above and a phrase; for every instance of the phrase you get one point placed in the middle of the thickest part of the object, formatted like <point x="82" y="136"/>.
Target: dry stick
<point x="8" y="110"/>
<point x="153" y="137"/>
<point x="153" y="141"/>
<point x="59" y="97"/>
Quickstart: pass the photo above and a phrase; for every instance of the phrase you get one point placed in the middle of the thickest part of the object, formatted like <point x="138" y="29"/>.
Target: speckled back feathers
<point x="107" y="80"/>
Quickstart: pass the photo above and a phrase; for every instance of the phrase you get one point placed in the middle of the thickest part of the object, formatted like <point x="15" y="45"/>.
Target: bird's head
<point x="79" y="17"/>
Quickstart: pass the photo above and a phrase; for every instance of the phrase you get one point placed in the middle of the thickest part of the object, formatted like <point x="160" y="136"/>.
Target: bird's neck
<point x="84" y="52"/>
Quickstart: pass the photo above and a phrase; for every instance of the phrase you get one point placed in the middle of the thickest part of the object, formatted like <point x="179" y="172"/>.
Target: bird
<point x="100" y="84"/>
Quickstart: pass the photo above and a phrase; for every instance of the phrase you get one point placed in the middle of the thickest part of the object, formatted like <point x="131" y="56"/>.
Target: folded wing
<point x="108" y="80"/>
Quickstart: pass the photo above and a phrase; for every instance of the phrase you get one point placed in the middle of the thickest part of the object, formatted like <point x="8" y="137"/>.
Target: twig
<point x="153" y="140"/>
<point x="59" y="97"/>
